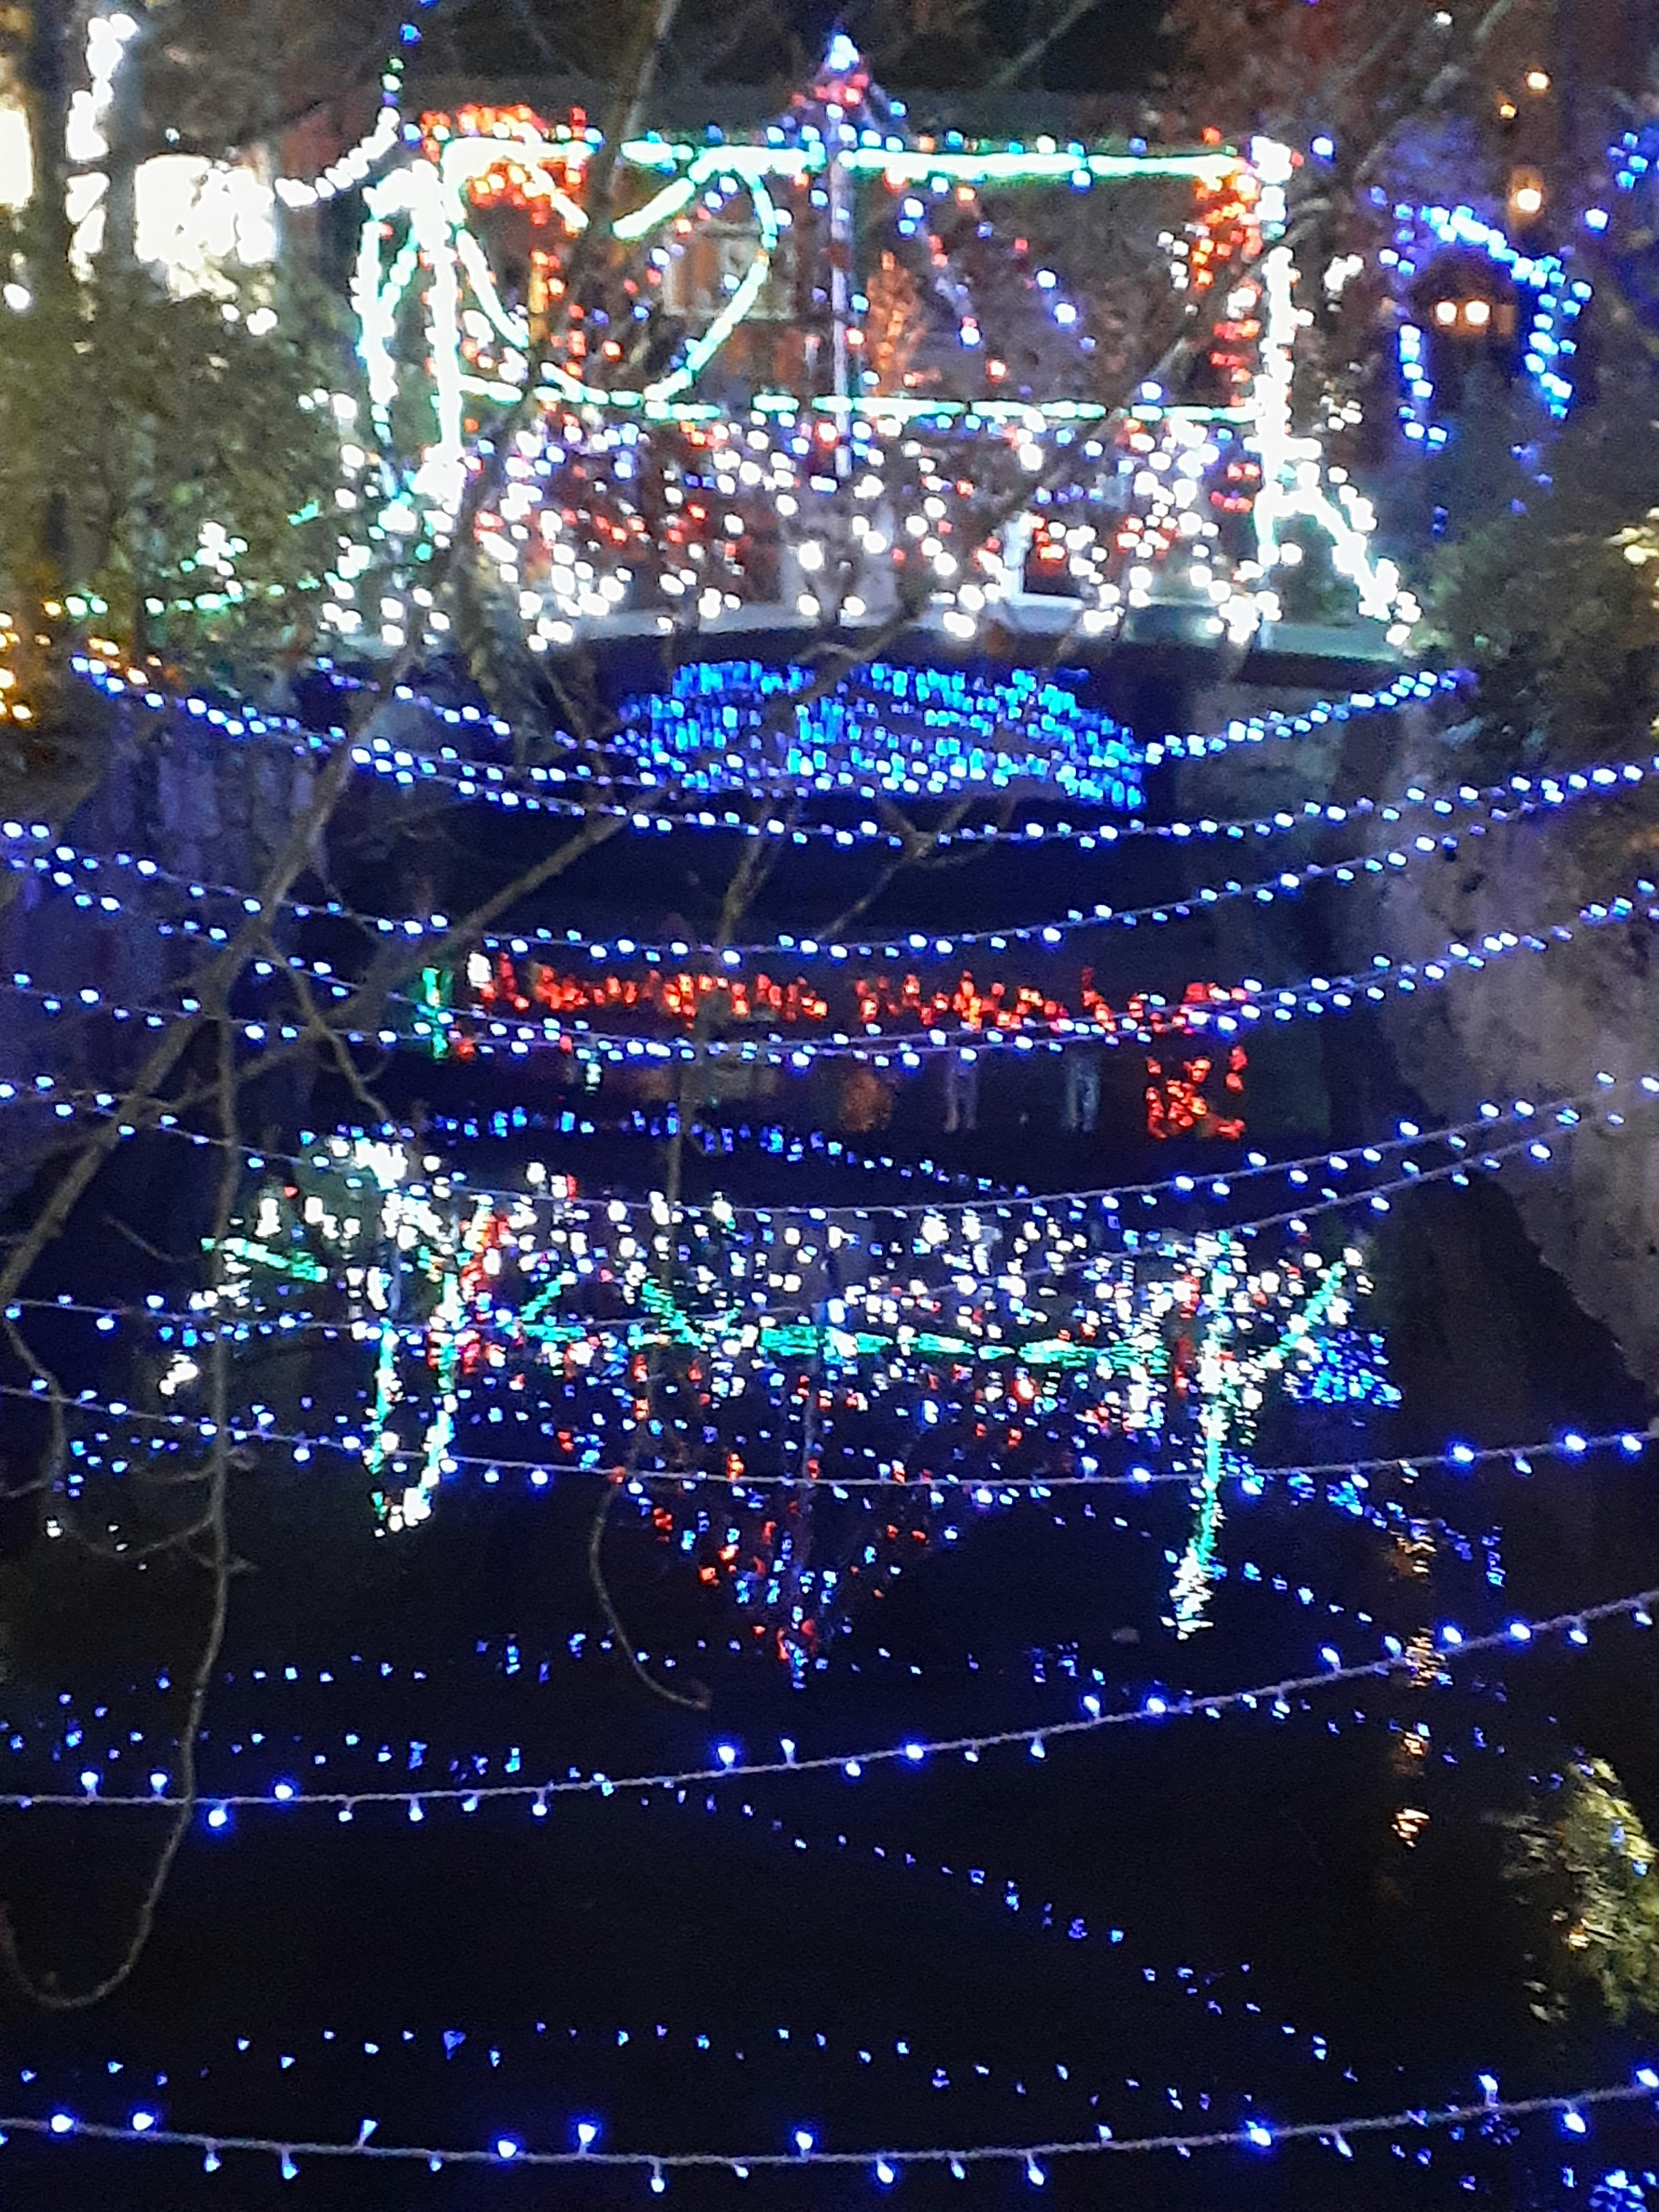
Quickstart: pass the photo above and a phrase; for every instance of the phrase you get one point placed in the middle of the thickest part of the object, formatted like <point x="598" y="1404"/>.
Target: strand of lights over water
<point x="883" y="2167"/>
<point x="37" y="849"/>
<point x="259" y="1694"/>
<point x="1272" y="1699"/>
<point x="342" y="1153"/>
<point x="913" y="946"/>
<point x="67" y="868"/>
<point x="250" y="2056"/>
<point x="1232" y="1009"/>
<point x="1385" y="1498"/>
<point x="349" y="1160"/>
<point x="77" y="1738"/>
<point x="713" y="1140"/>
<point x="920" y="1393"/>
<point x="535" y="789"/>
<point x="1348" y="1485"/>
<point x="797" y="2060"/>
<point x="931" y="1030"/>
<point x="513" y="1664"/>
<point x="374" y="1749"/>
<point x="1416" y="684"/>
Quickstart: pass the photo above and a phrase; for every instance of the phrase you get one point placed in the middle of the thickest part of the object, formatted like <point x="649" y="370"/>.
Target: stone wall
<point x="1542" y="1026"/>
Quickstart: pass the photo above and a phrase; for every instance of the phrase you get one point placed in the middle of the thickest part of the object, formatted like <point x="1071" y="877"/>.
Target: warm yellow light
<point x="1506" y="110"/>
<point x="1445" y="312"/>
<point x="1476" y="312"/>
<point x="1528" y="199"/>
<point x="1538" y="79"/>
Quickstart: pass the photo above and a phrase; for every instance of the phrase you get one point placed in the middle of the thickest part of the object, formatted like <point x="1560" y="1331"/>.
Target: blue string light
<point x="1268" y="1699"/>
<point x="883" y="2167"/>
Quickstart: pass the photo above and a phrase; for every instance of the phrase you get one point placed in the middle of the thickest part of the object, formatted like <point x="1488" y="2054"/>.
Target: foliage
<point x="1587" y="1863"/>
<point x="155" y="454"/>
<point x="1555" y="608"/>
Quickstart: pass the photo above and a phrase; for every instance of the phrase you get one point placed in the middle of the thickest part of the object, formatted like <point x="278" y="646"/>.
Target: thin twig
<point x="215" y="1524"/>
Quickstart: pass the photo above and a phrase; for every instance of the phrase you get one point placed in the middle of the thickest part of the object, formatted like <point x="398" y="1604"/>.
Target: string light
<point x="883" y="2167"/>
<point x="923" y="1027"/>
<point x="915" y="1752"/>
<point x="339" y="1154"/>
<point x="76" y="1735"/>
<point x="525" y="790"/>
<point x="67" y="867"/>
<point x="1047" y="1026"/>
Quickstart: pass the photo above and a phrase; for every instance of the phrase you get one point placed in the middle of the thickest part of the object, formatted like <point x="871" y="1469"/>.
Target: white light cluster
<point x="1297" y="485"/>
<point x="931" y="470"/>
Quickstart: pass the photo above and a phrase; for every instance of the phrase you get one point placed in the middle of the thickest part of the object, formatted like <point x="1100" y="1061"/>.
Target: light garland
<point x="502" y="1661"/>
<point x="884" y="2166"/>
<point x="729" y="1766"/>
<point x="774" y="1141"/>
<point x="501" y="981"/>
<point x="524" y="790"/>
<point x="364" y="1743"/>
<point x="338" y="1152"/>
<point x="787" y="2046"/>
<point x="1354" y="1474"/>
<point x="469" y="780"/>
<point x="1030" y="1022"/>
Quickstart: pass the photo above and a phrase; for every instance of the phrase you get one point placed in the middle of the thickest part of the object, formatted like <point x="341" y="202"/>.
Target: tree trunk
<point x="123" y="127"/>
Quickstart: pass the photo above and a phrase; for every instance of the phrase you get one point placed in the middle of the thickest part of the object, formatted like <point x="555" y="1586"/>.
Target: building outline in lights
<point x="1548" y="296"/>
<point x="1187" y="504"/>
